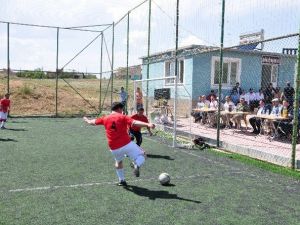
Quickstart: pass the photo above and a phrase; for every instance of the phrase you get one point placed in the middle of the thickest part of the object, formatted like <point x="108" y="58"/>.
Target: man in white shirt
<point x="255" y="121"/>
<point x="252" y="99"/>
<point x="228" y="107"/>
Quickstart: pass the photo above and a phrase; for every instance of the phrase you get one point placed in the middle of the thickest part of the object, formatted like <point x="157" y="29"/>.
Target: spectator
<point x="269" y="93"/>
<point x="276" y="109"/>
<point x="288" y="93"/>
<point x="138" y="99"/>
<point x="260" y="95"/>
<point x="212" y="116"/>
<point x="236" y="89"/>
<point x="201" y="116"/>
<point x="285" y="127"/>
<point x="228" y="107"/>
<point x="123" y="98"/>
<point x="256" y="122"/>
<point x="252" y="100"/>
<point x="235" y="96"/>
<point x="212" y="93"/>
<point x="241" y="107"/>
<point x="244" y="96"/>
<point x="277" y="93"/>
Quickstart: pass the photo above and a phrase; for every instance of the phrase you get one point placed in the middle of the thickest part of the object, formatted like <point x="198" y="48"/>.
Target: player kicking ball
<point x="116" y="128"/>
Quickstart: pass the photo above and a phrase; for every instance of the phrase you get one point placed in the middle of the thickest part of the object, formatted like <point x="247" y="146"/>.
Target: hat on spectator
<point x="275" y="100"/>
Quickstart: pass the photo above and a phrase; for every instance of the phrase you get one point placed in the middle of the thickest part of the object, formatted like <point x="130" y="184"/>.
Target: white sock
<point x="140" y="160"/>
<point x="2" y="124"/>
<point x="120" y="173"/>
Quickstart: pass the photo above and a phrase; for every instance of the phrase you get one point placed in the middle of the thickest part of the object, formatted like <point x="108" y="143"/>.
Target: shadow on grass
<point x="153" y="156"/>
<point x="17" y="121"/>
<point x="16" y="129"/>
<point x="8" y="139"/>
<point x="152" y="195"/>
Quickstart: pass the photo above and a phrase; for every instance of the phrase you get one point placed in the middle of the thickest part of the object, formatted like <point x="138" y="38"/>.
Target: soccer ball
<point x="164" y="179"/>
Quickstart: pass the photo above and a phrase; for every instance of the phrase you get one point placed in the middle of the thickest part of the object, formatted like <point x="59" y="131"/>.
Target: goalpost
<point x="165" y="102"/>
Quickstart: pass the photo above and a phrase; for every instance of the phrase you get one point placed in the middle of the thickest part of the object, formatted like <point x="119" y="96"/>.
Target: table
<point x="205" y="110"/>
<point x="271" y="119"/>
<point x="233" y="113"/>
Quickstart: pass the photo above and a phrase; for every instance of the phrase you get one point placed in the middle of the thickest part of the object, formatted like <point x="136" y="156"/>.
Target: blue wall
<point x="197" y="77"/>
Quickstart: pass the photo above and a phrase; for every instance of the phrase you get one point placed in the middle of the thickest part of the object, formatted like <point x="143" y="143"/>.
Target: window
<point x="231" y="71"/>
<point x="170" y="71"/>
<point x="274" y="74"/>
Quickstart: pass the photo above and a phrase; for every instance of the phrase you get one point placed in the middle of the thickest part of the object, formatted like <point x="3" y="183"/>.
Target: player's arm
<point x="142" y="124"/>
<point x="89" y="121"/>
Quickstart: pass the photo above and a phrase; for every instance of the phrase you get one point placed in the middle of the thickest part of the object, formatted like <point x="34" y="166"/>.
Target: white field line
<point x="99" y="183"/>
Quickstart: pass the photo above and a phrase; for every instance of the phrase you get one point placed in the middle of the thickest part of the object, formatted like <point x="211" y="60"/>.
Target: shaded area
<point x="154" y="156"/>
<point x="8" y="139"/>
<point x="16" y="129"/>
<point x="152" y="195"/>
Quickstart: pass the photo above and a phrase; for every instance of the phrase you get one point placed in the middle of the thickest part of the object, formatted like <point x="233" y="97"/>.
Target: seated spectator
<point x="228" y="107"/>
<point x="259" y="95"/>
<point x="256" y="122"/>
<point x="252" y="100"/>
<point x="277" y="93"/>
<point x="276" y="108"/>
<point x="200" y="116"/>
<point x="212" y="93"/>
<point x="244" y="96"/>
<point x="212" y="116"/>
<point x="286" y="126"/>
<point x="241" y="107"/>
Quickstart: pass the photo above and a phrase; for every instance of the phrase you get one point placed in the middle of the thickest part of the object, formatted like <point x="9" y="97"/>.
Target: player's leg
<point x="136" y="154"/>
<point x="119" y="156"/>
<point x="3" y="117"/>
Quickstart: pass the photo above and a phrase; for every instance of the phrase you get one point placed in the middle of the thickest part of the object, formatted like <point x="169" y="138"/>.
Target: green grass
<point x="208" y="188"/>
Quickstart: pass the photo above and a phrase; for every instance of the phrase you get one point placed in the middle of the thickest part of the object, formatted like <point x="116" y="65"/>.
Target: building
<point x="199" y="68"/>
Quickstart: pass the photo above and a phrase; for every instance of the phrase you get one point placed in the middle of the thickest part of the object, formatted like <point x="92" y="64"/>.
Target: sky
<point x="199" y="23"/>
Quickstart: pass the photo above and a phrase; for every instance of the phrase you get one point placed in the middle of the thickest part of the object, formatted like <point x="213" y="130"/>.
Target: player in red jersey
<point x="116" y="127"/>
<point x="4" y="109"/>
<point x="135" y="130"/>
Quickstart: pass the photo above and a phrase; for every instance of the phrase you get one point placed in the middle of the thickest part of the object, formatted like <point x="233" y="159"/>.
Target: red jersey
<point x="116" y="127"/>
<point x="4" y="105"/>
<point x="139" y="118"/>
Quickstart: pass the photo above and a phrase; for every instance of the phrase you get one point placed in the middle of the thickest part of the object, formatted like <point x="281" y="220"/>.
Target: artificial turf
<point x="206" y="188"/>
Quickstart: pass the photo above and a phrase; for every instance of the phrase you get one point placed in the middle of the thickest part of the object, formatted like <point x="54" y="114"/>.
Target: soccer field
<point x="59" y="171"/>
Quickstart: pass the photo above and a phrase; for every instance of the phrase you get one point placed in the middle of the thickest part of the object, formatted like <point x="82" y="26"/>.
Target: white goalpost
<point x="161" y="101"/>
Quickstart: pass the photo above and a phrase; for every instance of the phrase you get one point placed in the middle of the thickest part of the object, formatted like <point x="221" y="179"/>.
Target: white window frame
<point x="173" y="62"/>
<point x="226" y="60"/>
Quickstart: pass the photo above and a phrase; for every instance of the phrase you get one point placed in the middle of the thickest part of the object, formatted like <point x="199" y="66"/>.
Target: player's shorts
<point x="132" y="150"/>
<point x="3" y="116"/>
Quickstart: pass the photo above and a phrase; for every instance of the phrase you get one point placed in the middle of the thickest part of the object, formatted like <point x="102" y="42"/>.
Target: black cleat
<point x="122" y="183"/>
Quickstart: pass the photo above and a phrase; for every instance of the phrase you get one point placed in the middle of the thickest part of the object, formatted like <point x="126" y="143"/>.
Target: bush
<point x="25" y="90"/>
<point x="36" y="74"/>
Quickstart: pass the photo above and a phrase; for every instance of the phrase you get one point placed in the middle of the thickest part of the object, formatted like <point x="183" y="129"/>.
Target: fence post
<point x="176" y="75"/>
<point x="148" y="55"/>
<point x="101" y="65"/>
<point x="221" y="73"/>
<point x="112" y="63"/>
<point x="57" y="73"/>
<point x="127" y="62"/>
<point x="296" y="108"/>
<point x="8" y="59"/>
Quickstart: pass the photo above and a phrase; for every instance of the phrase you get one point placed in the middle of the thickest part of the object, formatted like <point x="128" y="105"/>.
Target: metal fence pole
<point x="221" y="73"/>
<point x="148" y="56"/>
<point x="176" y="75"/>
<point x="8" y="59"/>
<point x="112" y="63"/>
<point x="57" y="72"/>
<point x="296" y="108"/>
<point x="101" y="65"/>
<point x="127" y="62"/>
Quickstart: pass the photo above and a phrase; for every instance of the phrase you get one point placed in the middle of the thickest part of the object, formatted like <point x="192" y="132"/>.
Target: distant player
<point x="116" y="127"/>
<point x="4" y="109"/>
<point x="135" y="130"/>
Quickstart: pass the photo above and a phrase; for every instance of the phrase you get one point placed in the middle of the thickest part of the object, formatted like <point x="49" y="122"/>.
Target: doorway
<point x="269" y="75"/>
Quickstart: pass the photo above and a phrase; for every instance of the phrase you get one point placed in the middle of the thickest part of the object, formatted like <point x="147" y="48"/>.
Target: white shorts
<point x="132" y="150"/>
<point x="3" y="116"/>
